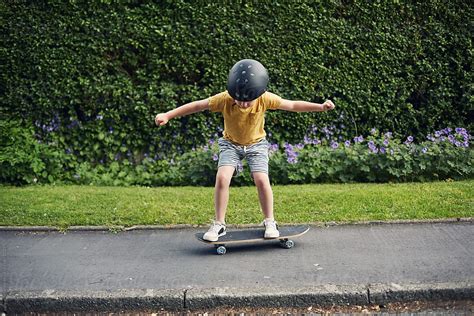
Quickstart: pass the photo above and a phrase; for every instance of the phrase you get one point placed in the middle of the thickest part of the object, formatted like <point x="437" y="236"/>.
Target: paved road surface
<point x="174" y="259"/>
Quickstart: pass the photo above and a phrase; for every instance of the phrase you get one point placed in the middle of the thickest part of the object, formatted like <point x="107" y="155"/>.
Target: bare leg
<point x="265" y="193"/>
<point x="221" y="191"/>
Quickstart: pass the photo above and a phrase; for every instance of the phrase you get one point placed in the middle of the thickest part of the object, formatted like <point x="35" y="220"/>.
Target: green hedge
<point x="89" y="78"/>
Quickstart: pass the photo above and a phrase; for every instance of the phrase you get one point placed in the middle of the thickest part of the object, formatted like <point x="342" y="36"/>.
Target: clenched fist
<point x="161" y="119"/>
<point x="328" y="105"/>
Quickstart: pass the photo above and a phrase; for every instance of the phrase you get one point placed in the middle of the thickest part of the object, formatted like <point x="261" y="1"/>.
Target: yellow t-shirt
<point x="244" y="126"/>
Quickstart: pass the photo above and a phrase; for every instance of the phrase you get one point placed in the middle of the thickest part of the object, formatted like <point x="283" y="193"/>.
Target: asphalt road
<point x="174" y="260"/>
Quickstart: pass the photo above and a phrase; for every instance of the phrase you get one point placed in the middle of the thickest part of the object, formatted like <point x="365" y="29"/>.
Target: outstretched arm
<point x="303" y="106"/>
<point x="189" y="108"/>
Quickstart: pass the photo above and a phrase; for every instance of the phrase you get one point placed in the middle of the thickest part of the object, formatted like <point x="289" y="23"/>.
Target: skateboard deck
<point x="255" y="235"/>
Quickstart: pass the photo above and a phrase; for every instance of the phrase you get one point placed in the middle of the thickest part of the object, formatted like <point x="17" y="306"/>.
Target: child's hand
<point x="161" y="119"/>
<point x="328" y="105"/>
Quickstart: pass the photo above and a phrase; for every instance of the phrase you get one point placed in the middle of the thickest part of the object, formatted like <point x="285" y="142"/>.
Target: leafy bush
<point x="320" y="157"/>
<point x="377" y="158"/>
<point x="22" y="158"/>
<point x="317" y="159"/>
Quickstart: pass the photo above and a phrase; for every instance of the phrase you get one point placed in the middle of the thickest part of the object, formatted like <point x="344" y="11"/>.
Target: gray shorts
<point x="231" y="154"/>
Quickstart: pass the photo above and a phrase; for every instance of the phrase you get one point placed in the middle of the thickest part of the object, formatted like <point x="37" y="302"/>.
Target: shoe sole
<point x="271" y="237"/>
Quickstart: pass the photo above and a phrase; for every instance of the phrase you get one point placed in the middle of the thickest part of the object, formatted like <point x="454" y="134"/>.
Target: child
<point x="243" y="106"/>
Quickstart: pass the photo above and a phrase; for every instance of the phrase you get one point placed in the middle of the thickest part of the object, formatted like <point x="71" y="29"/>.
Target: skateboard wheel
<point x="221" y="250"/>
<point x="287" y="244"/>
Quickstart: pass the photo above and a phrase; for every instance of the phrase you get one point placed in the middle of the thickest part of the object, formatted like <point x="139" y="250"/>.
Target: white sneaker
<point x="271" y="229"/>
<point x="215" y="231"/>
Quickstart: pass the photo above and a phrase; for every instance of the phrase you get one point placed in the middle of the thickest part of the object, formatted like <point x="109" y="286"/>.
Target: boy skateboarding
<point x="243" y="106"/>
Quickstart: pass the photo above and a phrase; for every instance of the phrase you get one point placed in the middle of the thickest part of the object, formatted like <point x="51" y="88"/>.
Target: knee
<point x="222" y="181"/>
<point x="261" y="180"/>
<point x="223" y="178"/>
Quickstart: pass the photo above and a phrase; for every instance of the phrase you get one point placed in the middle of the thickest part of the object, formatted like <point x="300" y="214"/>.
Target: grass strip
<point x="64" y="206"/>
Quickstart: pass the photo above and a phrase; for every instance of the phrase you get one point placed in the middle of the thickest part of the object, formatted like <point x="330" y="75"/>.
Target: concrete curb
<point x="92" y="301"/>
<point x="195" y="299"/>
<point x="382" y="294"/>
<point x="325" y="295"/>
<point x="188" y="226"/>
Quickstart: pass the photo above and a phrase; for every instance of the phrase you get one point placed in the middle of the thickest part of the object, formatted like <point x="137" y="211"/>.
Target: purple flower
<point x="385" y="142"/>
<point x="347" y="143"/>
<point x="373" y="131"/>
<point x="334" y="145"/>
<point x="299" y="146"/>
<point x="383" y="150"/>
<point x="464" y="134"/>
<point x="215" y="157"/>
<point x="451" y="138"/>
<point x="460" y="130"/>
<point x="409" y="140"/>
<point x="424" y="150"/>
<point x="372" y="147"/>
<point x="359" y="139"/>
<point x="291" y="154"/>
<point x="273" y="148"/>
<point x="53" y="125"/>
<point x="328" y="131"/>
<point x="447" y="130"/>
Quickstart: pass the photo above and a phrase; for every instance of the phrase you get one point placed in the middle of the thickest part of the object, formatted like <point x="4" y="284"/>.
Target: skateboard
<point x="255" y="235"/>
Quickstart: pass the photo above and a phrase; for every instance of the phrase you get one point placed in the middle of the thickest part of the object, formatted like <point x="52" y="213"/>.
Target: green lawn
<point x="64" y="206"/>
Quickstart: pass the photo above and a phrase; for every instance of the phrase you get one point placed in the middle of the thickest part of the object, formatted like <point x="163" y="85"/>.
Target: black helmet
<point x="248" y="80"/>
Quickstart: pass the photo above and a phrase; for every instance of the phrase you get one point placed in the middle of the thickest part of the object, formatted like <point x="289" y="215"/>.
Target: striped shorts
<point x="231" y="154"/>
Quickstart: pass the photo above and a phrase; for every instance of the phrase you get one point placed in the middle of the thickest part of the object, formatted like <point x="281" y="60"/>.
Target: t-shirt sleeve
<point x="217" y="102"/>
<point x="271" y="101"/>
